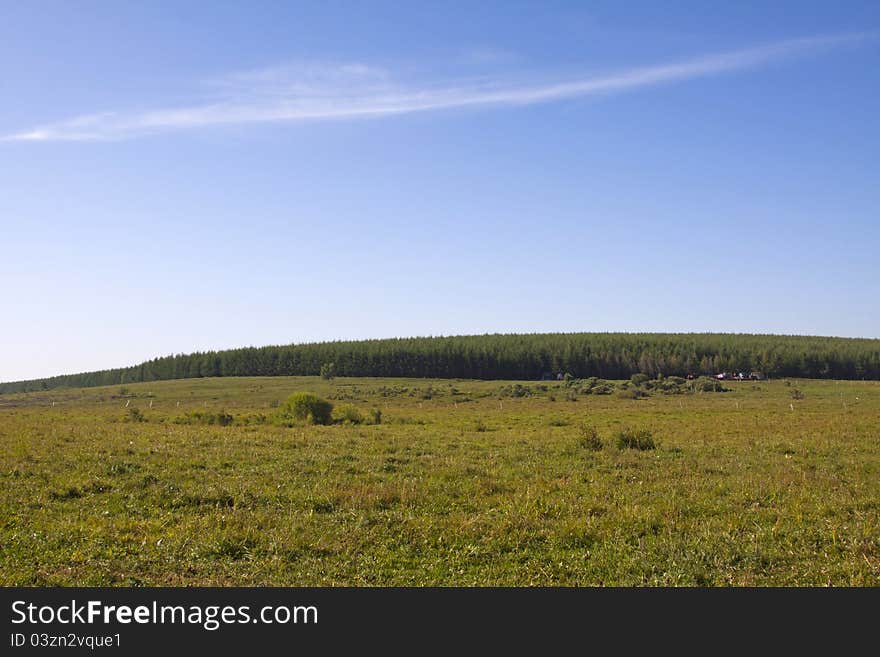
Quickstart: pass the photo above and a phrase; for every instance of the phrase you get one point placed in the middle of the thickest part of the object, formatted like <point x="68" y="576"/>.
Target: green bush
<point x="376" y="416"/>
<point x="306" y="407"/>
<point x="222" y="418"/>
<point x="202" y="417"/>
<point x="516" y="390"/>
<point x="639" y="379"/>
<point x="348" y="414"/>
<point x="594" y="386"/>
<point x="672" y="385"/>
<point x="640" y="439"/>
<point x="589" y="438"/>
<point x="631" y="393"/>
<point x="708" y="384"/>
<point x="328" y="371"/>
<point x="135" y="415"/>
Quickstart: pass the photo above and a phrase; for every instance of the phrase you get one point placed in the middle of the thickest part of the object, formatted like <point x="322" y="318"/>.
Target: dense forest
<point x="522" y="357"/>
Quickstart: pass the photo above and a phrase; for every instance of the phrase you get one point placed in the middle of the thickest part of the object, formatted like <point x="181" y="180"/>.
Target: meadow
<point x="445" y="482"/>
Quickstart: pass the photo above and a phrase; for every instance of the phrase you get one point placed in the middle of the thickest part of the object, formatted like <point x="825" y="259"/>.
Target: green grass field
<point x="462" y="483"/>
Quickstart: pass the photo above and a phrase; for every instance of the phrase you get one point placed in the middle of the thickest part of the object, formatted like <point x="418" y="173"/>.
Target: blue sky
<point x="187" y="176"/>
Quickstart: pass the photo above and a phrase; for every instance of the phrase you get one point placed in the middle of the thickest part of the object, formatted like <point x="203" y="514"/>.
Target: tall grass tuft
<point x="640" y="439"/>
<point x="589" y="438"/>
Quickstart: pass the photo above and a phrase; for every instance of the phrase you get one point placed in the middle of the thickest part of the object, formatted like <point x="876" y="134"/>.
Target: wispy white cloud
<point x="316" y="92"/>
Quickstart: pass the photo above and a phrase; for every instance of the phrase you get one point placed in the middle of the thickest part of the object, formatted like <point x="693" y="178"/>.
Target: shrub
<point x="306" y="407"/>
<point x="631" y="393"/>
<point x="253" y="418"/>
<point x="222" y="418"/>
<point x="672" y="385"/>
<point x="639" y="379"/>
<point x="797" y="394"/>
<point x="328" y="371"/>
<point x="707" y="384"/>
<point x="594" y="386"/>
<point x="516" y="390"/>
<point x="348" y="414"/>
<point x="135" y="415"/>
<point x="376" y="416"/>
<point x="589" y="438"/>
<point x="640" y="439"/>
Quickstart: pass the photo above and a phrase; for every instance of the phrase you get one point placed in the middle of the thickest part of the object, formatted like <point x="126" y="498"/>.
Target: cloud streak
<point x="319" y="92"/>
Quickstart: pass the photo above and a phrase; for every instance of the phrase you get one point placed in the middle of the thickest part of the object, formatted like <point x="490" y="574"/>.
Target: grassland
<point x="462" y="483"/>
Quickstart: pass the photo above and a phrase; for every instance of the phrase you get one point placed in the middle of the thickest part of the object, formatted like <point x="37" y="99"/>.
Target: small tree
<point x="328" y="371"/>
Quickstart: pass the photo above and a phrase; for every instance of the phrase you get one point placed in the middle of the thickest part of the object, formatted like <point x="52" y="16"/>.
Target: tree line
<point x="511" y="356"/>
